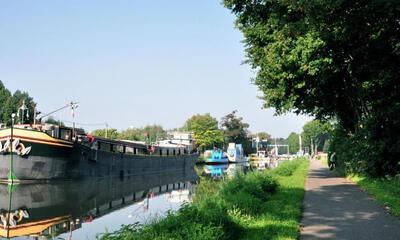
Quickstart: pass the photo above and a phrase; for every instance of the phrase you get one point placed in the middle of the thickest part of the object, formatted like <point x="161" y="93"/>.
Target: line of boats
<point x="234" y="154"/>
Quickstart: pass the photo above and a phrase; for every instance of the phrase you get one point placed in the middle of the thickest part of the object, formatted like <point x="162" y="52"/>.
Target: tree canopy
<point x="148" y="134"/>
<point x="293" y="142"/>
<point x="205" y="130"/>
<point x="10" y="104"/>
<point x="235" y="130"/>
<point x="332" y="60"/>
<point x="314" y="135"/>
<point x="324" y="58"/>
<point x="110" y="133"/>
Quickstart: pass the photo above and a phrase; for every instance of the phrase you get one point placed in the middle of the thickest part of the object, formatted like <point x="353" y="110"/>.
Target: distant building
<point x="182" y="138"/>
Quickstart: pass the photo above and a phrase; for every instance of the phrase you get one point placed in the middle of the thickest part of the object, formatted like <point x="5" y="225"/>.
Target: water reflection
<point x="222" y="170"/>
<point x="69" y="209"/>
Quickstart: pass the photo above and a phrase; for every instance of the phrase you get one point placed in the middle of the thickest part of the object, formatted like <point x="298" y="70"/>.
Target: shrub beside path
<point x="336" y="208"/>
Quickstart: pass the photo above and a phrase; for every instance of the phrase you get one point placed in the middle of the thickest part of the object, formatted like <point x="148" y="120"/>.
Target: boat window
<point x="105" y="146"/>
<point x="120" y="148"/>
<point x="65" y="134"/>
<point x="167" y="152"/>
<point x="130" y="150"/>
<point x="174" y="152"/>
<point x="160" y="152"/>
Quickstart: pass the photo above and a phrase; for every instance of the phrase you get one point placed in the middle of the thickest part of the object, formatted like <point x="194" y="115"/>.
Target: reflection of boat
<point x="181" y="195"/>
<point x="261" y="155"/>
<point x="56" y="152"/>
<point x="216" y="170"/>
<point x="261" y="164"/>
<point x="59" y="208"/>
<point x="217" y="157"/>
<point x="235" y="153"/>
<point x="237" y="167"/>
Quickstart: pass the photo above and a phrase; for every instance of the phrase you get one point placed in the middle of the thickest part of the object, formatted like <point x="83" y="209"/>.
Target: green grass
<point x="386" y="191"/>
<point x="258" y="205"/>
<point x="281" y="214"/>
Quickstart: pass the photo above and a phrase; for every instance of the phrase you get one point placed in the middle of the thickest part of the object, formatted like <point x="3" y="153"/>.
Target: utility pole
<point x="106" y="130"/>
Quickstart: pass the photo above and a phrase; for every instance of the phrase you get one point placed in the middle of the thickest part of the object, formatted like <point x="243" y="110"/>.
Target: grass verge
<point x="258" y="205"/>
<point x="386" y="191"/>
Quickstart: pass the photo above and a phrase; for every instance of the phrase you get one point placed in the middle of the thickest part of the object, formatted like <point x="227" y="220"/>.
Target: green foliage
<point x="372" y="150"/>
<point x="293" y="142"/>
<point x="315" y="132"/>
<point x="248" y="192"/>
<point x="333" y="60"/>
<point x="235" y="131"/>
<point x="110" y="133"/>
<point x="149" y="133"/>
<point x="262" y="135"/>
<point x="205" y="131"/>
<point x="218" y="215"/>
<point x="11" y="103"/>
<point x="287" y="168"/>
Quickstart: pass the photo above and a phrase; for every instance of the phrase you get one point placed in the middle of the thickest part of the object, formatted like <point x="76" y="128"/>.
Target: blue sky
<point x="132" y="63"/>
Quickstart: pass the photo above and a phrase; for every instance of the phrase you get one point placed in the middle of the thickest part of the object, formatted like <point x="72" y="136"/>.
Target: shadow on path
<point x="335" y="208"/>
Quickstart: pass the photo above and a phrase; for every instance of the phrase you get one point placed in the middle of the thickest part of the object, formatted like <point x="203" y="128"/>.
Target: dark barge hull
<point x="82" y="165"/>
<point x="52" y="159"/>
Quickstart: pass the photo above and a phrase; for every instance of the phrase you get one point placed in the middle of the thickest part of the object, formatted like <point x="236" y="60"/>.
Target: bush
<point x="373" y="147"/>
<point x="287" y="168"/>
<point x="247" y="192"/>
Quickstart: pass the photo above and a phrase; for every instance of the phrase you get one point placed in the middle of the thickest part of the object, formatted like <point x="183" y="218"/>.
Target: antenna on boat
<point x="11" y="175"/>
<point x="72" y="104"/>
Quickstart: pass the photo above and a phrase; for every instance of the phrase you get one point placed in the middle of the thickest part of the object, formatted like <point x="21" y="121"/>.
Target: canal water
<point x="85" y="209"/>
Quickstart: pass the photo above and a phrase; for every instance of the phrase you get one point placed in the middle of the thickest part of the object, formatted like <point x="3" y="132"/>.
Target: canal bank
<point x="258" y="205"/>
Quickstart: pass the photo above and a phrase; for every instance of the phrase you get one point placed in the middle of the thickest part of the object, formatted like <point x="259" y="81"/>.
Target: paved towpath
<point x="335" y="208"/>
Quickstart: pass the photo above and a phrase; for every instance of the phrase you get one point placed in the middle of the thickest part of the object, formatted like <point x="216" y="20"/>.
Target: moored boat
<point x="235" y="153"/>
<point x="217" y="157"/>
<point x="49" y="152"/>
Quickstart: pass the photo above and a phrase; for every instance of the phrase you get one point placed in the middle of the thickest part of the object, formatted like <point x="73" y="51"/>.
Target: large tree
<point x="235" y="130"/>
<point x="293" y="142"/>
<point x="11" y="104"/>
<point x="324" y="58"/>
<point x="5" y="103"/>
<point x="331" y="59"/>
<point x="205" y="130"/>
<point x="314" y="135"/>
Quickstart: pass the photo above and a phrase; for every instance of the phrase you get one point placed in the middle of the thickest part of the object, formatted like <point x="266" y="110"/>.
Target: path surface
<point x="335" y="208"/>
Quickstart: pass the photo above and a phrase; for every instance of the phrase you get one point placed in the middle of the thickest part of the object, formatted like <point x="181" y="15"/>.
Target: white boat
<point x="235" y="153"/>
